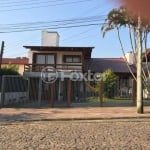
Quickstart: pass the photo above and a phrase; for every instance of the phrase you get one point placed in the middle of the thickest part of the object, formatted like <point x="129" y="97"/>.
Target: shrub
<point x="9" y="70"/>
<point x="109" y="83"/>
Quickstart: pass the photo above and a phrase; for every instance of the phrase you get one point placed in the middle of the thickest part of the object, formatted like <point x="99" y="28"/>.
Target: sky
<point x="14" y="12"/>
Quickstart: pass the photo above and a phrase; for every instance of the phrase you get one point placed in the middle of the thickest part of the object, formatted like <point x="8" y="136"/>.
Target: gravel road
<point x="73" y="135"/>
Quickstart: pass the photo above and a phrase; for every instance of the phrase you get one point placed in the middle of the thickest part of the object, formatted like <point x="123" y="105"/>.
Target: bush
<point x="9" y="70"/>
<point x="109" y="83"/>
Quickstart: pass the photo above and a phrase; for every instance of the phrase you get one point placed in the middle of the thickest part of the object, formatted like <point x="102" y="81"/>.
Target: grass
<point x="115" y="100"/>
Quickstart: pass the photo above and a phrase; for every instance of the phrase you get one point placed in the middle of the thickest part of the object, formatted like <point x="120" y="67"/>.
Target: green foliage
<point x="109" y="83"/>
<point x="92" y="100"/>
<point x="114" y="100"/>
<point x="10" y="69"/>
<point x="147" y="87"/>
<point x="121" y="17"/>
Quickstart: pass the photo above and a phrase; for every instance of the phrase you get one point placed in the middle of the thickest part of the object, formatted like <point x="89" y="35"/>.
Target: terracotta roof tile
<point x="17" y="60"/>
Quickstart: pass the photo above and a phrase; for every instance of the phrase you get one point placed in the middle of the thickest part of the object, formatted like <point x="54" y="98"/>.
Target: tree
<point x="105" y="85"/>
<point x="10" y="69"/>
<point x="109" y="83"/>
<point x="121" y="17"/>
<point x="98" y="88"/>
<point x="117" y="18"/>
<point x="139" y="29"/>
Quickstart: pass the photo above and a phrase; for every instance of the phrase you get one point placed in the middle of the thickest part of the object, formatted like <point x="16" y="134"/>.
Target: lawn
<point x="117" y="101"/>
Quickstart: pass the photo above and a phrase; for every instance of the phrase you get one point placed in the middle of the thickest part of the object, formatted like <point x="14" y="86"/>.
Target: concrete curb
<point x="131" y="119"/>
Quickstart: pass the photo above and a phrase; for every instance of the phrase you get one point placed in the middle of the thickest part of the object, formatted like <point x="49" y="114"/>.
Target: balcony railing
<point x="58" y="67"/>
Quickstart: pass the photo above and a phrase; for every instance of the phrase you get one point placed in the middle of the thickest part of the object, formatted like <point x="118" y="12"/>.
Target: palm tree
<point x="115" y="20"/>
<point x="138" y="34"/>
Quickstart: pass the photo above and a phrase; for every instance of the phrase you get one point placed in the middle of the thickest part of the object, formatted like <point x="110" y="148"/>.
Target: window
<point x="45" y="59"/>
<point x="72" y="59"/>
<point x="40" y="59"/>
<point x="50" y="59"/>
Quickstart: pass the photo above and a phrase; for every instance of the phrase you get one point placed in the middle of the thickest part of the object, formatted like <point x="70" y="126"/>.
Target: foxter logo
<point x="49" y="74"/>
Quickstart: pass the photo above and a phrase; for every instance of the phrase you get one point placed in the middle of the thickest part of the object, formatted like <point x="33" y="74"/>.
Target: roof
<point x="57" y="48"/>
<point x="86" y="50"/>
<point x="118" y="65"/>
<point x="17" y="60"/>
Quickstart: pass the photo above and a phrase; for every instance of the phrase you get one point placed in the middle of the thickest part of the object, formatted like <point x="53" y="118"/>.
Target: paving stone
<point x="71" y="135"/>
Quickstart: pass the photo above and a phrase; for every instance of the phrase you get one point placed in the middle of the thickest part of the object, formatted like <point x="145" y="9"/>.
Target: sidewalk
<point x="73" y="113"/>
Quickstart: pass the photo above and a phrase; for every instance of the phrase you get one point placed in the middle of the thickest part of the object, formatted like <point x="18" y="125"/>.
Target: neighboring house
<point x="13" y="89"/>
<point x="18" y="61"/>
<point x="67" y="60"/>
<point x="146" y="62"/>
<point x="119" y="67"/>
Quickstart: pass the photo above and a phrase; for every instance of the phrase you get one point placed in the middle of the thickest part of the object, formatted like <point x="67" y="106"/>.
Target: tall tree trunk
<point x="139" y="70"/>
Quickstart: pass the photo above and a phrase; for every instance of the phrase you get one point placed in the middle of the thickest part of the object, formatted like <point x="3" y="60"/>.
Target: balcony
<point x="57" y="67"/>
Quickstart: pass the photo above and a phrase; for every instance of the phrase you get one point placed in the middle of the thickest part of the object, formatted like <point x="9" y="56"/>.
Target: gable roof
<point x="118" y="65"/>
<point x="17" y="60"/>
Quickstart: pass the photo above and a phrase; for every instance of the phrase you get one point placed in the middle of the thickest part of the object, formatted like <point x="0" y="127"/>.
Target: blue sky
<point x="81" y="36"/>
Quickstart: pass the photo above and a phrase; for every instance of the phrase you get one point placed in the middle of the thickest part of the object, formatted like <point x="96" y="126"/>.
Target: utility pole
<point x="1" y="53"/>
<point x="139" y="70"/>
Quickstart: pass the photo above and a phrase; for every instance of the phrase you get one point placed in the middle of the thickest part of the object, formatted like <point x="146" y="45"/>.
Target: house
<point x="58" y="73"/>
<point x="13" y="89"/>
<point x="19" y="62"/>
<point x="67" y="61"/>
<point x="119" y="67"/>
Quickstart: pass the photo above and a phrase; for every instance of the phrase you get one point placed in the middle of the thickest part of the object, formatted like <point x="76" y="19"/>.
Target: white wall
<point x="30" y="55"/>
<point x="14" y="97"/>
<point x="130" y="57"/>
<point x="50" y="38"/>
<point x="59" y="59"/>
<point x="59" y="55"/>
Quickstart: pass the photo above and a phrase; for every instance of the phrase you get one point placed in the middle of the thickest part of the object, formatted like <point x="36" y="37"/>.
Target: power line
<point x="7" y="5"/>
<point x="48" y="5"/>
<point x="19" y="1"/>
<point x="75" y="35"/>
<point x="32" y="26"/>
<point x="59" y="21"/>
<point x="48" y="25"/>
<point x="51" y="28"/>
<point x="56" y="21"/>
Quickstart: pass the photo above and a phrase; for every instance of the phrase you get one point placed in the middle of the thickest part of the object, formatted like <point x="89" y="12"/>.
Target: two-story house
<point x="66" y="61"/>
